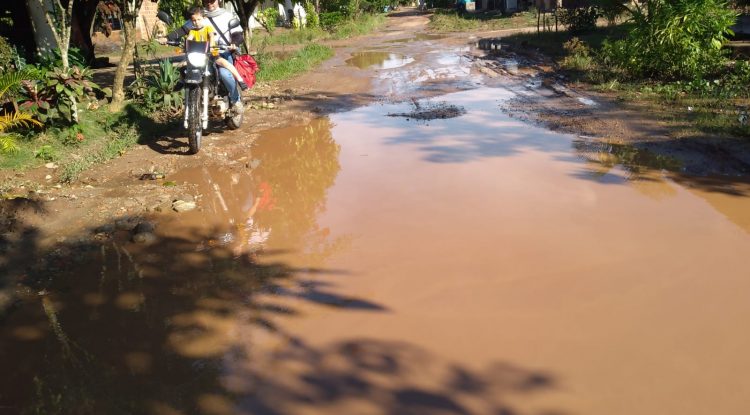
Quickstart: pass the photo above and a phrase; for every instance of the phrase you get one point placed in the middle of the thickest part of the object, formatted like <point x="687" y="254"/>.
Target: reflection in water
<point x="644" y="169"/>
<point x="603" y="157"/>
<point x="378" y="60"/>
<point x="122" y="328"/>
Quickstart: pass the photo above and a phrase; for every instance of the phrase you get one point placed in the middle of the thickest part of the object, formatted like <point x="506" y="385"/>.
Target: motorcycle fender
<point x="193" y="76"/>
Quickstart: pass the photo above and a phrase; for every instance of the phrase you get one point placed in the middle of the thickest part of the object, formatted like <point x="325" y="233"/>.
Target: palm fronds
<point x="9" y="81"/>
<point x="17" y="119"/>
<point x="8" y="143"/>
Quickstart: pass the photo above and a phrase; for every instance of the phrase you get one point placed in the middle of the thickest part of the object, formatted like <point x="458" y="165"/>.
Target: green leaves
<point x="678" y="39"/>
<point x="156" y="88"/>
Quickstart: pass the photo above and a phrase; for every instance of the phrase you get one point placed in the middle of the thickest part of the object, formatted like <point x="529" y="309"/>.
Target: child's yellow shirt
<point x="201" y="35"/>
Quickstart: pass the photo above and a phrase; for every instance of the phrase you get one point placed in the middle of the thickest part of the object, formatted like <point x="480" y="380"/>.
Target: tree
<point x="245" y="9"/>
<point x="130" y="10"/>
<point x="59" y="19"/>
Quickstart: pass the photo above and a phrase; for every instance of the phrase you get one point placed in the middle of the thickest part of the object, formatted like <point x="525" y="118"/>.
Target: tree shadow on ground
<point x="106" y="325"/>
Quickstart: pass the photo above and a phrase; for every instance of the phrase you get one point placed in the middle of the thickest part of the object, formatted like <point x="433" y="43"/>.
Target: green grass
<point x="92" y="125"/>
<point x="288" y="37"/>
<point x="551" y="43"/>
<point x="450" y="21"/>
<point x="114" y="145"/>
<point x="274" y="69"/>
<point x="106" y="135"/>
<point x="363" y="24"/>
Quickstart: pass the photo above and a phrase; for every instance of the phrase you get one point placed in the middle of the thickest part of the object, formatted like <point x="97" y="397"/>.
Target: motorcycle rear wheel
<point x="195" y="126"/>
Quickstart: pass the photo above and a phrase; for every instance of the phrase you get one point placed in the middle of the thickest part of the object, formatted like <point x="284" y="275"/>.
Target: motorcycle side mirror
<point x="164" y="17"/>
<point x="234" y="23"/>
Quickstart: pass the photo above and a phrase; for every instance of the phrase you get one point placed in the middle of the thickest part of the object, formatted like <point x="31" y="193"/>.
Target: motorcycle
<point x="205" y="93"/>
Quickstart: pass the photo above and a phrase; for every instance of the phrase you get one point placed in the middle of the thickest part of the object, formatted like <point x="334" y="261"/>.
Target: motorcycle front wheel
<point x="195" y="126"/>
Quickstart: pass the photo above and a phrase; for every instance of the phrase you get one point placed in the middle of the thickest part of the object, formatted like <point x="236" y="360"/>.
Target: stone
<point x="144" y="227"/>
<point x="126" y="224"/>
<point x="145" y="238"/>
<point x="51" y="165"/>
<point x="106" y="228"/>
<point x="183" y="206"/>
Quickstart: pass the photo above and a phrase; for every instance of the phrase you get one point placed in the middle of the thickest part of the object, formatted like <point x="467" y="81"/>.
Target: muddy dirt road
<point x="420" y="251"/>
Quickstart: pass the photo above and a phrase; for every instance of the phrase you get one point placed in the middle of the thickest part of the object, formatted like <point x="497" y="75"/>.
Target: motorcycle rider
<point x="220" y="18"/>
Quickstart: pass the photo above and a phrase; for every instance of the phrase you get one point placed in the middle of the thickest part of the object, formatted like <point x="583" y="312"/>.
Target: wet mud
<point x="362" y="263"/>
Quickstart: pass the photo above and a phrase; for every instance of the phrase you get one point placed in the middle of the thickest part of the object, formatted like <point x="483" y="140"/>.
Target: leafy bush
<point x="8" y="55"/>
<point x="156" y="88"/>
<point x="46" y="153"/>
<point x="610" y="9"/>
<point x="60" y="93"/>
<point x="673" y="39"/>
<point x="53" y="59"/>
<point x="580" y="20"/>
<point x="269" y="18"/>
<point x="9" y="85"/>
<point x="579" y="55"/>
<point x="313" y="20"/>
<point x="330" y="20"/>
<point x="349" y="8"/>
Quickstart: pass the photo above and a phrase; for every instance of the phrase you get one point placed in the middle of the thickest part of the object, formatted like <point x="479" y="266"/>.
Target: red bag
<point x="247" y="67"/>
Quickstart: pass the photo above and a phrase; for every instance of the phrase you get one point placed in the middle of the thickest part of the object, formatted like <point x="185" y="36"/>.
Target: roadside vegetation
<point x="52" y="112"/>
<point x="671" y="57"/>
<point x="447" y="20"/>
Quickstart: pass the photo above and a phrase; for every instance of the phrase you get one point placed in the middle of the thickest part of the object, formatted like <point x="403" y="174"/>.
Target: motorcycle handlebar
<point x="179" y="43"/>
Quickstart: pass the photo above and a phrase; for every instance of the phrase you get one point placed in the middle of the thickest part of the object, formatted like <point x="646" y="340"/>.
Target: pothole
<point x="432" y="111"/>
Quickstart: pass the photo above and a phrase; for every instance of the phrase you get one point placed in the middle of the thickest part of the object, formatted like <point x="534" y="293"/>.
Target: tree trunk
<point x="128" y="46"/>
<point x="64" y="57"/>
<point x="248" y="37"/>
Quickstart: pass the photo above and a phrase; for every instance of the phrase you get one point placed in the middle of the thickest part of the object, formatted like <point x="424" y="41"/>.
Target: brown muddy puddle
<point x="378" y="60"/>
<point x="366" y="264"/>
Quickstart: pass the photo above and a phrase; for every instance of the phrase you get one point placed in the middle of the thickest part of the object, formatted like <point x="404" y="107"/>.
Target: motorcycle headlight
<point x="197" y="59"/>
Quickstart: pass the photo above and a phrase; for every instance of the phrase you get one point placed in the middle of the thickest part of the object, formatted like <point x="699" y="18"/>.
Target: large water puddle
<point x="374" y="264"/>
<point x="378" y="60"/>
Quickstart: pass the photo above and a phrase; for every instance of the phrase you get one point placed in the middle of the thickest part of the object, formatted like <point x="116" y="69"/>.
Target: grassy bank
<point x="361" y="25"/>
<point x="450" y="21"/>
<point x="275" y="69"/>
<point x="98" y="137"/>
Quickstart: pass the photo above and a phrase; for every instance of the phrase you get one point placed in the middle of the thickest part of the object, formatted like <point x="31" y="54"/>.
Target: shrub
<point x="53" y="59"/>
<point x="673" y="39"/>
<point x="331" y="19"/>
<point x="579" y="55"/>
<point x="60" y="93"/>
<point x="156" y="88"/>
<point x="10" y="120"/>
<point x="8" y="55"/>
<point x="580" y="20"/>
<point x="313" y="20"/>
<point x="268" y="18"/>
